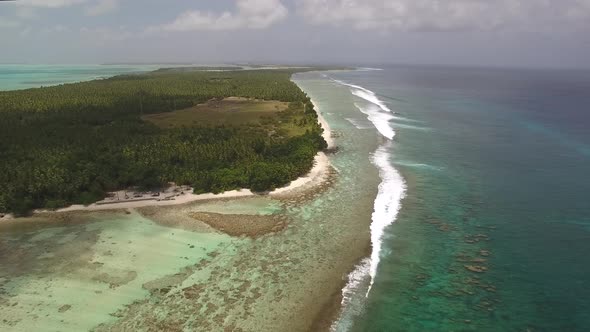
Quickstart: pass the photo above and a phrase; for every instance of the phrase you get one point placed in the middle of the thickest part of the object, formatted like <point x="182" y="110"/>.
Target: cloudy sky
<point x="537" y="33"/>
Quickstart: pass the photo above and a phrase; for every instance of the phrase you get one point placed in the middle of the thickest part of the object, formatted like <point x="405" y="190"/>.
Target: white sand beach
<point x="318" y="174"/>
<point x="327" y="130"/>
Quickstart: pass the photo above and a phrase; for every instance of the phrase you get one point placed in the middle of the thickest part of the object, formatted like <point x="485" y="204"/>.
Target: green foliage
<point x="75" y="142"/>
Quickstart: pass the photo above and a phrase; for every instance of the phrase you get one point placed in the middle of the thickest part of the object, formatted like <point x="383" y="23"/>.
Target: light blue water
<point x="13" y="77"/>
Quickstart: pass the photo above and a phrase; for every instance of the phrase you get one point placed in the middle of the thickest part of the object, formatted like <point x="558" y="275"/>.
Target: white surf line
<point x="387" y="203"/>
<point x="406" y="126"/>
<point x="377" y="112"/>
<point x="379" y="119"/>
<point x="366" y="94"/>
<point x="356" y="280"/>
<point x="392" y="187"/>
<point x="371" y="97"/>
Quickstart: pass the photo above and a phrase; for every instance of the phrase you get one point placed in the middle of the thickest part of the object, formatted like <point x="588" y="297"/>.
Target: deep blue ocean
<point x="494" y="229"/>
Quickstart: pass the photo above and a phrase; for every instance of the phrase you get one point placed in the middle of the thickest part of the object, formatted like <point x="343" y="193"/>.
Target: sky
<point x="505" y="33"/>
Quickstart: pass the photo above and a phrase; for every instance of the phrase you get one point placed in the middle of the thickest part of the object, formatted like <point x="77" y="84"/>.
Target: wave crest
<point x="387" y="204"/>
<point x="376" y="110"/>
<point x="379" y="119"/>
<point x="366" y="94"/>
<point x="385" y="209"/>
<point x="392" y="187"/>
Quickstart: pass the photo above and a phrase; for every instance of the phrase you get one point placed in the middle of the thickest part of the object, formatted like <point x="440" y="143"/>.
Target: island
<point x="177" y="131"/>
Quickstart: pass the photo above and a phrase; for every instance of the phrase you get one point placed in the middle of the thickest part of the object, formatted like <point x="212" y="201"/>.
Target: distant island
<point x="211" y="130"/>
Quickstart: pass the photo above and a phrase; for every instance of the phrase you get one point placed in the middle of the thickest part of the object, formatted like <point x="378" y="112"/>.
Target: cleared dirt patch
<point x="229" y="111"/>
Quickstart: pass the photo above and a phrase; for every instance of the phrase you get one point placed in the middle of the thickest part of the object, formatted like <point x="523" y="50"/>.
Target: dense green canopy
<point x="73" y="143"/>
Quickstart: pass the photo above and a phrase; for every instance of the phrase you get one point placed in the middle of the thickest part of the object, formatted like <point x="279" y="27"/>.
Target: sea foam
<point x="378" y="118"/>
<point x="350" y="299"/>
<point x="392" y="186"/>
<point x="366" y="94"/>
<point x="387" y="204"/>
<point x="418" y="165"/>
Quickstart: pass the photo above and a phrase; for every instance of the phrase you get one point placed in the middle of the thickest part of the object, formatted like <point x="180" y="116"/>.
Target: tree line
<point x="73" y="143"/>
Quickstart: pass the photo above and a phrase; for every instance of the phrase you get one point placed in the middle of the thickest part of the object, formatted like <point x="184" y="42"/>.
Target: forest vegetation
<point x="73" y="143"/>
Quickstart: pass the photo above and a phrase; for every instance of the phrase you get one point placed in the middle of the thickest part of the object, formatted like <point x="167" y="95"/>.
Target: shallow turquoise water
<point x="14" y="77"/>
<point x="497" y="180"/>
<point x="73" y="277"/>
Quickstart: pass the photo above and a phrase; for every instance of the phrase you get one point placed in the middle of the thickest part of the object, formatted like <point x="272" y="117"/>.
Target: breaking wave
<point x="387" y="203"/>
<point x="378" y="118"/>
<point x="366" y="94"/>
<point x="356" y="282"/>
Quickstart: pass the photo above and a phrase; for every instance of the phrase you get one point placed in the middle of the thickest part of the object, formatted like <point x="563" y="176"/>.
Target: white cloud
<point x="96" y="7"/>
<point x="581" y="10"/>
<point x="102" y="7"/>
<point x="25" y="32"/>
<point x="416" y="15"/>
<point x="249" y="14"/>
<point x="49" y="3"/>
<point x="105" y="35"/>
<point x="8" y="23"/>
<point x="27" y="13"/>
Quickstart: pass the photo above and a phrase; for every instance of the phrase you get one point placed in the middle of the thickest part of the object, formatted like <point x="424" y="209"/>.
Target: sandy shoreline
<point x="327" y="134"/>
<point x="317" y="175"/>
